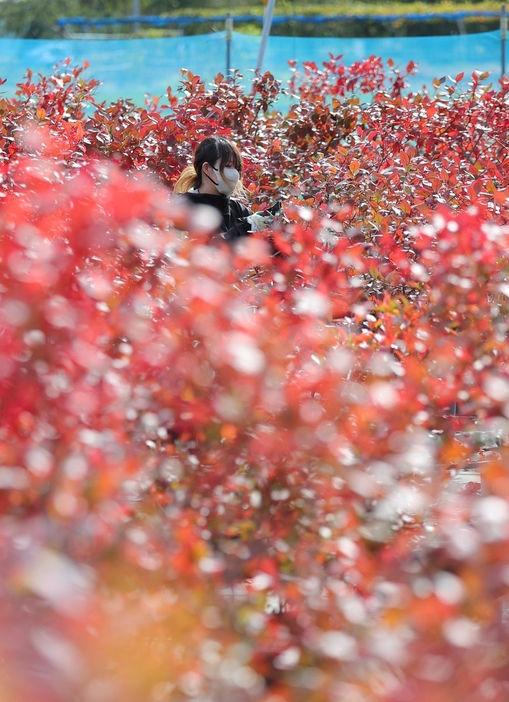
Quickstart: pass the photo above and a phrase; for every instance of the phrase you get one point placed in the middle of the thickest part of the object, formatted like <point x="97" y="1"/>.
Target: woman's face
<point x="224" y="180"/>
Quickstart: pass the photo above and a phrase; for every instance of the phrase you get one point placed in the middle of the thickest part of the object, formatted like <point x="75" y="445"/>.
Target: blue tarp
<point x="131" y="68"/>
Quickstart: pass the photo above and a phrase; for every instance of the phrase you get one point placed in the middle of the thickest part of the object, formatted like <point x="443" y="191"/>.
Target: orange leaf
<point x="501" y="196"/>
<point x="455" y="452"/>
<point x="354" y="166"/>
<point x="229" y="432"/>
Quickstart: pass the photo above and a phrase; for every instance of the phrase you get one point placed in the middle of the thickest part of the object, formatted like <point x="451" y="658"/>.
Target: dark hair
<point x="209" y="151"/>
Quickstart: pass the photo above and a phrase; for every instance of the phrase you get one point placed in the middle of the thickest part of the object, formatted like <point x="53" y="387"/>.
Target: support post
<point x="228" y="28"/>
<point x="267" y="24"/>
<point x="136" y="13"/>
<point x="503" y="37"/>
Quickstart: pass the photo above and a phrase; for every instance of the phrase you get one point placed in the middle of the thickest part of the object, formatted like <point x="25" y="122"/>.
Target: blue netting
<point x="185" y="20"/>
<point x="131" y="68"/>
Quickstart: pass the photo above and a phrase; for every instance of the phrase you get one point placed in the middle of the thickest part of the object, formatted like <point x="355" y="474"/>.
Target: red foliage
<point x="228" y="476"/>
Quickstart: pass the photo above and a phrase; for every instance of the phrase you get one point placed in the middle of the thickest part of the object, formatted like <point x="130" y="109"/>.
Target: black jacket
<point x="234" y="214"/>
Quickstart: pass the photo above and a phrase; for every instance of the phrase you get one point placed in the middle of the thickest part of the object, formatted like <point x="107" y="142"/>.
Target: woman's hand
<point x="260" y="222"/>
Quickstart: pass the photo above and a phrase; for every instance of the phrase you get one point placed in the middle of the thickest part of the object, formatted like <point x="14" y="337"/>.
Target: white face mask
<point x="227" y="184"/>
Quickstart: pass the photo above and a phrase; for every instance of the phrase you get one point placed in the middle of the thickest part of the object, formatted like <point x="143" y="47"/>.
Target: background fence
<point x="131" y="68"/>
<point x="186" y="20"/>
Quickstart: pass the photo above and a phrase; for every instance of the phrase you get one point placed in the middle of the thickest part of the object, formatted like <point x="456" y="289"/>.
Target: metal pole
<point x="461" y="26"/>
<point x="267" y="24"/>
<point x="136" y="13"/>
<point x="503" y="37"/>
<point x="228" y="27"/>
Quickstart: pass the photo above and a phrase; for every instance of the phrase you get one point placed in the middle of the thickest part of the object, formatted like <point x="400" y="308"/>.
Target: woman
<point x="214" y="177"/>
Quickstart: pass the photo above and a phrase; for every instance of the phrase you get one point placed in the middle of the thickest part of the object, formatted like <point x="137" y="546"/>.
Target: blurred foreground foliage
<point x="226" y="475"/>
